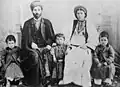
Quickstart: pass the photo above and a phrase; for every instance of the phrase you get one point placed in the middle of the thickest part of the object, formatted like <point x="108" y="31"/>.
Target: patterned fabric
<point x="58" y="69"/>
<point x="60" y="51"/>
<point x="12" y="63"/>
<point x="13" y="72"/>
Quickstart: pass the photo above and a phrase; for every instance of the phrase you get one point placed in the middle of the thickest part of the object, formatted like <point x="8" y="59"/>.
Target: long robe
<point x="32" y="65"/>
<point x="78" y="61"/>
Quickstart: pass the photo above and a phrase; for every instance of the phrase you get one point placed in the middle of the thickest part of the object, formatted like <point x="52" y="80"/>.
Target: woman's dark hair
<point x="10" y="38"/>
<point x="104" y="34"/>
<point x="60" y="35"/>
<point x="79" y="7"/>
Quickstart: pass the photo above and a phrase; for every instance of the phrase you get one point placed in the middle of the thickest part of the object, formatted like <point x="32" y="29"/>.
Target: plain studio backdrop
<point x="103" y="13"/>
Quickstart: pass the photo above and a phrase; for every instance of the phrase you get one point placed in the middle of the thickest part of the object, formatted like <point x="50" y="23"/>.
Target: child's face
<point x="59" y="40"/>
<point x="103" y="41"/>
<point x="11" y="44"/>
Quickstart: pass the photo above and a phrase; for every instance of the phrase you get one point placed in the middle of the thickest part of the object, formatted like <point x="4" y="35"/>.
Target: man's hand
<point x="48" y="47"/>
<point x="105" y="63"/>
<point x="34" y="45"/>
<point x="99" y="65"/>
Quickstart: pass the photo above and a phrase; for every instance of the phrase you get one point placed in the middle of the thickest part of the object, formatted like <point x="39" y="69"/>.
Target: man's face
<point x="103" y="41"/>
<point x="80" y="15"/>
<point x="59" y="40"/>
<point x="11" y="44"/>
<point x="37" y="12"/>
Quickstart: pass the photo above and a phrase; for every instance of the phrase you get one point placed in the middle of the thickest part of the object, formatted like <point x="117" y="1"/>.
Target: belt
<point x="60" y="60"/>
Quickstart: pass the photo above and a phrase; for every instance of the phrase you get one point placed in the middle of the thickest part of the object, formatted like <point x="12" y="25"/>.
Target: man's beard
<point x="37" y="15"/>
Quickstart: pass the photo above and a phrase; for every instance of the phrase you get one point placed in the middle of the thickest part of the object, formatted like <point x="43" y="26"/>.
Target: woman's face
<point x="80" y="15"/>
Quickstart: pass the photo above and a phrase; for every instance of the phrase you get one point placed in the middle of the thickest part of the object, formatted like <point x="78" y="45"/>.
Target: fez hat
<point x="79" y="7"/>
<point x="35" y="3"/>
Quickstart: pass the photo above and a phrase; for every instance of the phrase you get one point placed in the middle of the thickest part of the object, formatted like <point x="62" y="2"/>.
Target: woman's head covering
<point x="34" y="4"/>
<point x="79" y="7"/>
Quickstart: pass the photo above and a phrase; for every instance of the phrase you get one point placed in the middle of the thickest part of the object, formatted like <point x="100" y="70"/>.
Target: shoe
<point x="49" y="86"/>
<point x="61" y="82"/>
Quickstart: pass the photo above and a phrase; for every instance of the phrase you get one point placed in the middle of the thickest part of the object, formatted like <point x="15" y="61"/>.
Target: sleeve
<point x="95" y="56"/>
<point x="51" y="35"/>
<point x="26" y="37"/>
<point x="2" y="56"/>
<point x="92" y="36"/>
<point x="111" y="53"/>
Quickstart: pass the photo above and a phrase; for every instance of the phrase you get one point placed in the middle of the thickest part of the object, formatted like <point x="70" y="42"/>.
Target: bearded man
<point x="37" y="35"/>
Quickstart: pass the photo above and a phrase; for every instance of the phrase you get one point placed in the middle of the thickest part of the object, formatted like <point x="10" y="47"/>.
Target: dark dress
<point x="33" y="60"/>
<point x="12" y="63"/>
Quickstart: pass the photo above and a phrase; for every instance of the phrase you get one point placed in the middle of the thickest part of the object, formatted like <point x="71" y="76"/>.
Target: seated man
<point x="37" y="34"/>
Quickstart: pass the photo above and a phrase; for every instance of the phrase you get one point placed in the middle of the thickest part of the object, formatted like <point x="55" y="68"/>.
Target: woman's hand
<point x="34" y="45"/>
<point x="83" y="46"/>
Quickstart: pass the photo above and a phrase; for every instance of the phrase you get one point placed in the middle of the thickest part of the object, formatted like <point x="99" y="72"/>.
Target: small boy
<point x="59" y="51"/>
<point x="11" y="57"/>
<point x="104" y="69"/>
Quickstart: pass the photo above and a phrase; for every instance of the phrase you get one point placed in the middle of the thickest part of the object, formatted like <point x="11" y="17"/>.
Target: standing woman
<point x="79" y="60"/>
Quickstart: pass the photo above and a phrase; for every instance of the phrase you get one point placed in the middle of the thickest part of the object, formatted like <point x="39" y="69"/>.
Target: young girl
<point x="59" y="51"/>
<point x="104" y="68"/>
<point x="12" y="61"/>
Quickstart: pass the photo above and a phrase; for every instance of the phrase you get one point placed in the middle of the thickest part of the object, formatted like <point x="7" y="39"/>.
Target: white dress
<point x="78" y="63"/>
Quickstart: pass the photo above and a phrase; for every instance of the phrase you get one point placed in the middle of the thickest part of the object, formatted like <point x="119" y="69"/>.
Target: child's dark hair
<point x="59" y="35"/>
<point x="10" y="38"/>
<point x="104" y="34"/>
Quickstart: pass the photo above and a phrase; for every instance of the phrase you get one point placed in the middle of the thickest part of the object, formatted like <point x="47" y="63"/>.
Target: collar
<point x="36" y="20"/>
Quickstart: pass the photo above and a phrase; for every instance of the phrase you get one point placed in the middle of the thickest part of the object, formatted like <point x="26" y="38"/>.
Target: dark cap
<point x="35" y="3"/>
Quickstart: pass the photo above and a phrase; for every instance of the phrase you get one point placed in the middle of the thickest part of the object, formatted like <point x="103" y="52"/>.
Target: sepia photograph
<point x="59" y="43"/>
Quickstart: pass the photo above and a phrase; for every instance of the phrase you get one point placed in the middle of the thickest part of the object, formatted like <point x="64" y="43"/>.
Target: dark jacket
<point x="10" y="56"/>
<point x="29" y="30"/>
<point x="103" y="54"/>
<point x="33" y="59"/>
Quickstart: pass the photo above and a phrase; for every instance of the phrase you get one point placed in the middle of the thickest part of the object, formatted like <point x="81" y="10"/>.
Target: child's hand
<point x="67" y="51"/>
<point x="48" y="47"/>
<point x="54" y="44"/>
<point x="52" y="51"/>
<point x="109" y="61"/>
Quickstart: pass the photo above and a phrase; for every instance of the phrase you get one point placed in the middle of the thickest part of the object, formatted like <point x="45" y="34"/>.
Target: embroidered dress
<point x="78" y="61"/>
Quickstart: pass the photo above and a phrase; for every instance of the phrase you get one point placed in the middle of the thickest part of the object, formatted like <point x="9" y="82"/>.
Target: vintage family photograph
<point x="59" y="43"/>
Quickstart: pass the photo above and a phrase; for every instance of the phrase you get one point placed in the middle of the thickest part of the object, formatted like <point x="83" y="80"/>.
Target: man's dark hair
<point x="10" y="38"/>
<point x="60" y="35"/>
